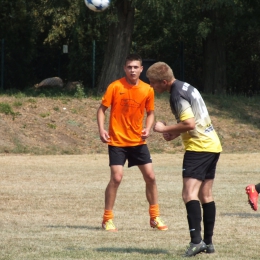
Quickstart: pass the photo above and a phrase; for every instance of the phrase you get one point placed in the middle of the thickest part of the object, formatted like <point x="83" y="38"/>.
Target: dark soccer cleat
<point x="195" y="249"/>
<point x="210" y="249"/>
<point x="252" y="196"/>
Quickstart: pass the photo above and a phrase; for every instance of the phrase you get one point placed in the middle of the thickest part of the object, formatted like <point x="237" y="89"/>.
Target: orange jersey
<point x="128" y="105"/>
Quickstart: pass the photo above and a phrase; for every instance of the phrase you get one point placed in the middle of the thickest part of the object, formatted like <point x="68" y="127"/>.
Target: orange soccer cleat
<point x="109" y="226"/>
<point x="252" y="196"/>
<point x="158" y="223"/>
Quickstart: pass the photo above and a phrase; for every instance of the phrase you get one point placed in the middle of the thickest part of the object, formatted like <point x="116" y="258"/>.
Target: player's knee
<point x="116" y="180"/>
<point x="188" y="196"/>
<point x="205" y="198"/>
<point x="185" y="198"/>
<point x="150" y="179"/>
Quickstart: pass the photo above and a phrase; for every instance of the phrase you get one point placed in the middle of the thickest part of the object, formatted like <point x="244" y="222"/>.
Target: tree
<point x="119" y="43"/>
<point x="120" y="36"/>
<point x="18" y="41"/>
<point x="209" y="21"/>
<point x="216" y="22"/>
<point x="215" y="42"/>
<point x="68" y="23"/>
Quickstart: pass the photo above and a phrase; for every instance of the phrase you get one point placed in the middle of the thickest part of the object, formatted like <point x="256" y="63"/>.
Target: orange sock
<point x="154" y="211"/>
<point x="108" y="214"/>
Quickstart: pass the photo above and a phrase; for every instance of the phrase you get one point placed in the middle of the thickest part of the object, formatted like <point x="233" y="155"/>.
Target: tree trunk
<point x="214" y="56"/>
<point x="214" y="72"/>
<point x="119" y="44"/>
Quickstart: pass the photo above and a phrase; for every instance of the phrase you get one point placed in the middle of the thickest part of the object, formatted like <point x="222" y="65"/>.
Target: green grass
<point x="46" y="114"/>
<point x="79" y="92"/>
<point x="51" y="208"/>
<point x="236" y="106"/>
<point x="245" y="109"/>
<point x="6" y="108"/>
<point x="236" y="119"/>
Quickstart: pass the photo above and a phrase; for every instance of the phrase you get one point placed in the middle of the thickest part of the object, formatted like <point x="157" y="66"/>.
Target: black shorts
<point x="136" y="155"/>
<point x="199" y="165"/>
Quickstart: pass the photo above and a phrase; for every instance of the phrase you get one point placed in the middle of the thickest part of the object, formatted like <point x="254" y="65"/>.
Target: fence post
<point x="182" y="61"/>
<point x="93" y="63"/>
<point x="2" y="65"/>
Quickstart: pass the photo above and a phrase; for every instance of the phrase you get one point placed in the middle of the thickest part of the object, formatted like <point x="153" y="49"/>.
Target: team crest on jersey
<point x="129" y="103"/>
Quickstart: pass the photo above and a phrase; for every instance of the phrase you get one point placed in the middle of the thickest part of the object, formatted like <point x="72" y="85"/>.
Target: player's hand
<point x="159" y="127"/>
<point x="104" y="136"/>
<point x="169" y="136"/>
<point x="145" y="133"/>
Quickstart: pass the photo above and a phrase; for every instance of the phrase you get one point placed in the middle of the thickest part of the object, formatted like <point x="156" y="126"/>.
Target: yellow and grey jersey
<point x="186" y="102"/>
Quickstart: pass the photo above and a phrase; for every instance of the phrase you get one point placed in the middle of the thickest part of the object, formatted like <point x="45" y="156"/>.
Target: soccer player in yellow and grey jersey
<point x="202" y="151"/>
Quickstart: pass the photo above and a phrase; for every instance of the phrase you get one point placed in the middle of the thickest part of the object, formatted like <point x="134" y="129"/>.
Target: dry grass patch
<point x="51" y="208"/>
<point x="66" y="125"/>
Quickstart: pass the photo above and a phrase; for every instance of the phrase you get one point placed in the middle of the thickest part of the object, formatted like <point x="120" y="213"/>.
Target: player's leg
<point x="205" y="192"/>
<point x="209" y="213"/>
<point x="252" y="193"/>
<point x="190" y="190"/>
<point x="117" y="158"/>
<point x="110" y="197"/>
<point x="192" y="180"/>
<point x="190" y="198"/>
<point x="150" y="183"/>
<point x="207" y="200"/>
<point x="112" y="187"/>
<point x="152" y="196"/>
<point x="140" y="156"/>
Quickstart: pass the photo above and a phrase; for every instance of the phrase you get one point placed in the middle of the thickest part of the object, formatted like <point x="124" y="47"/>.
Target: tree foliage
<point x="212" y="44"/>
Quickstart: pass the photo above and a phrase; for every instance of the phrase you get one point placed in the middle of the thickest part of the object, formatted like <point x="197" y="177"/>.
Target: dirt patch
<point x="68" y="126"/>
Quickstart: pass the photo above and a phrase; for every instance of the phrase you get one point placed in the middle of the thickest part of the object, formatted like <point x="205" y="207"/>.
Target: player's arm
<point x="185" y="123"/>
<point x="104" y="136"/>
<point x="177" y="129"/>
<point x="148" y="124"/>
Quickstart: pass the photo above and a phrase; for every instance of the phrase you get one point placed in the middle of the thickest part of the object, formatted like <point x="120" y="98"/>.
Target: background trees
<point x="119" y="43"/>
<point x="214" y="45"/>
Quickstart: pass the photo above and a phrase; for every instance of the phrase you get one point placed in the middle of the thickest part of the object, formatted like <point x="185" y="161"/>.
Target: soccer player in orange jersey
<point x="202" y="151"/>
<point x="129" y="99"/>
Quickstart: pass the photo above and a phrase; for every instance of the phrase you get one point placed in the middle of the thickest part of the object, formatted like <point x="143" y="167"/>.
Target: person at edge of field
<point x="202" y="151"/>
<point x="129" y="99"/>
<point x="252" y="192"/>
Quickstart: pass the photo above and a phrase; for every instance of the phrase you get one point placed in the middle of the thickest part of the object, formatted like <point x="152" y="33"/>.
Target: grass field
<point x="51" y="208"/>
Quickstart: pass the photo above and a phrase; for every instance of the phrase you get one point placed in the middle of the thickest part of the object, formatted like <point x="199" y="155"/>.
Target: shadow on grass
<point x="74" y="227"/>
<point x="133" y="250"/>
<point x="242" y="215"/>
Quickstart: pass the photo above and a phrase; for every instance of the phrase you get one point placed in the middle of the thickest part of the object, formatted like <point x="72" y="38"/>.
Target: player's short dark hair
<point x="134" y="56"/>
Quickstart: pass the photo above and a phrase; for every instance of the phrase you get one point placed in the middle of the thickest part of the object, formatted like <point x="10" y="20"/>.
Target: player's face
<point x="158" y="86"/>
<point x="133" y="70"/>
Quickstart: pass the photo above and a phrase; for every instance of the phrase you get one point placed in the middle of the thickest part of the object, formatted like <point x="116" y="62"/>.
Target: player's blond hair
<point x="160" y="71"/>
